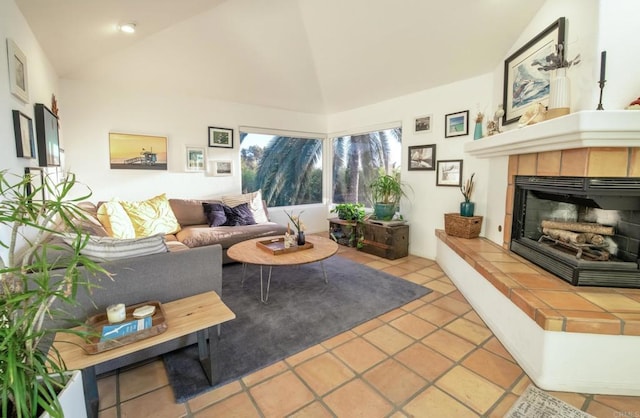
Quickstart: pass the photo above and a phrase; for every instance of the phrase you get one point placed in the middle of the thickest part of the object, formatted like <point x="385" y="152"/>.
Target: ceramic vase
<point x="559" y="93"/>
<point x="466" y="209"/>
<point x="301" y="239"/>
<point x="477" y="133"/>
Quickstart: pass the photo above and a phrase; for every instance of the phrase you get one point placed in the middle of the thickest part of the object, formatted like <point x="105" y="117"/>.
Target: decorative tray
<point x="97" y="323"/>
<point x="275" y="246"/>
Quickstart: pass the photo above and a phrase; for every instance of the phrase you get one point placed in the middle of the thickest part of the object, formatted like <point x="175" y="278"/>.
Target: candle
<point x="116" y="313"/>
<point x="603" y="64"/>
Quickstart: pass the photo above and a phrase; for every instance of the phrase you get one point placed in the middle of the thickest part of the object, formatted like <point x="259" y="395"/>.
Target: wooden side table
<point x="201" y="314"/>
<point x="384" y="239"/>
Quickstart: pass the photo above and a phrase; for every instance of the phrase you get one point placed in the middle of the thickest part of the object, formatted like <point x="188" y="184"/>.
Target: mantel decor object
<point x="601" y="83"/>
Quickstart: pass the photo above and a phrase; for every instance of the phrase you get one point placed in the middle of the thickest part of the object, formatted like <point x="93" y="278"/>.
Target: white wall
<point x="42" y="83"/>
<point x="427" y="203"/>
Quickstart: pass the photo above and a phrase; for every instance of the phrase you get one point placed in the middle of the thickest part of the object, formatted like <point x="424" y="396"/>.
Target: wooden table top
<point x="183" y="317"/>
<point x="248" y="252"/>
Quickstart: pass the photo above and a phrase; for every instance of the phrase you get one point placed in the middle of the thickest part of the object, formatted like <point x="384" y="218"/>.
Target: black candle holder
<point x="601" y="83"/>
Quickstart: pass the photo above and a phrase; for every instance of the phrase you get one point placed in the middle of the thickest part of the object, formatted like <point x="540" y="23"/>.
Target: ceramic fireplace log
<point x="579" y="227"/>
<point x="565" y="236"/>
<point x="595" y="239"/>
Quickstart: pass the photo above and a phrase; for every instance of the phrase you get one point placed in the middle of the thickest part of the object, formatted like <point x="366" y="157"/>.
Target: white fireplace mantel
<point x="589" y="128"/>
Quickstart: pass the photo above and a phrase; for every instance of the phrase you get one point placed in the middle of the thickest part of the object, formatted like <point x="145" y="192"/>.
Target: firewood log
<point x="565" y="236"/>
<point x="579" y="227"/>
<point x="595" y="239"/>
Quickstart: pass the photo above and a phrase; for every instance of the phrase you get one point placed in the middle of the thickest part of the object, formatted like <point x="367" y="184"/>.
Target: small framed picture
<point x="195" y="160"/>
<point x="18" y="76"/>
<point x="422" y="157"/>
<point x="422" y="124"/>
<point x="23" y="131"/>
<point x="220" y="168"/>
<point x="456" y="124"/>
<point x="449" y="173"/>
<point x="220" y="137"/>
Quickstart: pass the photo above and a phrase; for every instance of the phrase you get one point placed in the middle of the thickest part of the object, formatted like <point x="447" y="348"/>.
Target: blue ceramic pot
<point x="466" y="208"/>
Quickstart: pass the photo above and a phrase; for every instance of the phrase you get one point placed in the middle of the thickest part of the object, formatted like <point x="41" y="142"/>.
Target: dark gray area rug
<point x="301" y="311"/>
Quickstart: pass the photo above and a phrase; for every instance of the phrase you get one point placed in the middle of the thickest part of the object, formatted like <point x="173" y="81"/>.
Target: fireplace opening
<point x="584" y="230"/>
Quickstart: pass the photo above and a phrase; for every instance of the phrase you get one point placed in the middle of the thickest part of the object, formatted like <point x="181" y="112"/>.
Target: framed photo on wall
<point x="456" y="124"/>
<point x="449" y="173"/>
<point x="18" y="75"/>
<point x="220" y="137"/>
<point x="422" y="124"/>
<point x="524" y="84"/>
<point x="23" y="131"/>
<point x="194" y="159"/>
<point x="137" y="152"/>
<point x="220" y="168"/>
<point x="422" y="157"/>
<point x="47" y="137"/>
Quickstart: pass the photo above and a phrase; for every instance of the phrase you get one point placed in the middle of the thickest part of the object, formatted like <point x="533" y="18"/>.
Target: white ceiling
<point x="317" y="56"/>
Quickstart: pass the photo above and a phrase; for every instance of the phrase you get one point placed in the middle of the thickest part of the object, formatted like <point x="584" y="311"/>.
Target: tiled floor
<point x="432" y="357"/>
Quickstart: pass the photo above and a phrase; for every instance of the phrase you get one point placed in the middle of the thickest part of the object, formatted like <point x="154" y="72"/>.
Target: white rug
<point x="536" y="403"/>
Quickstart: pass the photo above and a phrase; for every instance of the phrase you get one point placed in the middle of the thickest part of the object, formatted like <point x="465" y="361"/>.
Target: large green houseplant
<point x="386" y="191"/>
<point x="33" y="282"/>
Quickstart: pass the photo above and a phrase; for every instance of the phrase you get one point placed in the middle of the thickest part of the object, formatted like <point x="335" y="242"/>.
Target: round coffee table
<point x="248" y="252"/>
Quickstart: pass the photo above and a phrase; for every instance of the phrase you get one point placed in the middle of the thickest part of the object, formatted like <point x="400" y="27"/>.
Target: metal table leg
<point x="264" y="296"/>
<point x="324" y="273"/>
<point x="90" y="386"/>
<point x="208" y="353"/>
<point x="244" y="270"/>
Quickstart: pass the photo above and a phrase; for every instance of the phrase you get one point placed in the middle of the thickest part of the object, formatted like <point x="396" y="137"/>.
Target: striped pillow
<point x="255" y="204"/>
<point x="108" y="248"/>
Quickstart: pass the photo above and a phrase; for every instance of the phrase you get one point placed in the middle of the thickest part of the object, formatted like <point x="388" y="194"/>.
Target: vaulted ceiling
<point x="317" y="56"/>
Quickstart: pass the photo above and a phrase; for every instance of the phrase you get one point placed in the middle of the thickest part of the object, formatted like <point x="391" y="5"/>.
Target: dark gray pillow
<point x="215" y="213"/>
<point x="239" y="215"/>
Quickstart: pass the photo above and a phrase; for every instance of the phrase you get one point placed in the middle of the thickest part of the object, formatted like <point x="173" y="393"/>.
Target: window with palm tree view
<point x="288" y="170"/>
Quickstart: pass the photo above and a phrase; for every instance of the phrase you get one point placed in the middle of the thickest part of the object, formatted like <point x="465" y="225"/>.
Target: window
<point x="288" y="169"/>
<point x="357" y="160"/>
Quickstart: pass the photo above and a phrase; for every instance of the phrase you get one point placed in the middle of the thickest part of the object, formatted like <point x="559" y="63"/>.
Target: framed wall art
<point x="35" y="183"/>
<point x="23" y="131"/>
<point x="449" y="173"/>
<point x="47" y="136"/>
<point x="220" y="168"/>
<point x="220" y="137"/>
<point x="456" y="124"/>
<point x="422" y="157"/>
<point x="194" y="159"/>
<point x="524" y="84"/>
<point x="422" y="124"/>
<point x="18" y="75"/>
<point x="137" y="152"/>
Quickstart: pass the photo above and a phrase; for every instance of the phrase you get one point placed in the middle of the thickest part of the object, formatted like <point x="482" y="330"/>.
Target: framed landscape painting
<point x="422" y="157"/>
<point x="524" y="84"/>
<point x="220" y="137"/>
<point x="137" y="152"/>
<point x="195" y="159"/>
<point x="23" y="131"/>
<point x="422" y="124"/>
<point x="456" y="124"/>
<point x="220" y="168"/>
<point x="449" y="173"/>
<point x="47" y="137"/>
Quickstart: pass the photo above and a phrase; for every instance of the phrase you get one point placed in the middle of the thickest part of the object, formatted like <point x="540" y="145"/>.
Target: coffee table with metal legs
<point x="247" y="252"/>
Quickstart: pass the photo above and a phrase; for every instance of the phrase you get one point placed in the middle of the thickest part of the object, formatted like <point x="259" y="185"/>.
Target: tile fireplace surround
<point x="577" y="339"/>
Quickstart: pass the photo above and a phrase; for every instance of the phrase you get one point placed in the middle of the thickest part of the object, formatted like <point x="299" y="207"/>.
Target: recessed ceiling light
<point x="127" y="27"/>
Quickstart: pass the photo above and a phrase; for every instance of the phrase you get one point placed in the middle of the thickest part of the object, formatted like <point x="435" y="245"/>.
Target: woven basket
<point x="462" y="226"/>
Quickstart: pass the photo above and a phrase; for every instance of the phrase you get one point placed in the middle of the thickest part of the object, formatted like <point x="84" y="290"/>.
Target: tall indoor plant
<point x="32" y="278"/>
<point x="386" y="191"/>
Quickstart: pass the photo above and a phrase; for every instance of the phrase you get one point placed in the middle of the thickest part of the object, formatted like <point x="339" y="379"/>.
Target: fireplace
<point x="610" y="206"/>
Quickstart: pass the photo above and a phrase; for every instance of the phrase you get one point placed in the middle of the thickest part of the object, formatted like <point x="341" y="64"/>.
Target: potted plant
<point x="349" y="211"/>
<point x="467" y="207"/>
<point x="31" y="280"/>
<point x="386" y="191"/>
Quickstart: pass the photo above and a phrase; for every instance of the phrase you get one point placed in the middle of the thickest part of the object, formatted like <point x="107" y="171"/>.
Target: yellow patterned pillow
<point x="153" y="216"/>
<point x="115" y="220"/>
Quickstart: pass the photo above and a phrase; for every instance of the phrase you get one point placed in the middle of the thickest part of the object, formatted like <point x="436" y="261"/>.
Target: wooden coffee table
<point x="247" y="252"/>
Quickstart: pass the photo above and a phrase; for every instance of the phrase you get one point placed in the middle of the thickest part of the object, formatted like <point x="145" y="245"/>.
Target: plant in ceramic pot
<point x="386" y="191"/>
<point x="349" y="211"/>
<point x="467" y="207"/>
<point x="32" y="278"/>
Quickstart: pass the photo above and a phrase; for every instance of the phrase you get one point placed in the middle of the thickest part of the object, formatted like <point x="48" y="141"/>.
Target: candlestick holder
<point x="601" y="83"/>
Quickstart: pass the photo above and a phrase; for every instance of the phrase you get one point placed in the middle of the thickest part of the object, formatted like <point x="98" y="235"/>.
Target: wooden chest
<point x="390" y="242"/>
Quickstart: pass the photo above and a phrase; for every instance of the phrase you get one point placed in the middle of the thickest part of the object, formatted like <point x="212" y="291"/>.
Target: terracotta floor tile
<point x="600" y="410"/>
<point x="213" y="396"/>
<point x="612" y="302"/>
<point x="431" y="272"/>
<point x="368" y="326"/>
<point x="239" y="405"/>
<point x="265" y="373"/>
<point x="440" y="286"/>
<point x="452" y="305"/>
<point x="359" y="354"/>
<point x="281" y="395"/>
<point x="497" y="256"/>
<point x="458" y="296"/>
<point x="413" y="326"/>
<point x="305" y="355"/>
<point x="158" y="404"/>
<point x="397" y="270"/>
<point x="378" y="265"/>
<point x="314" y="410"/>
<point x="537" y="281"/>
<point x="410" y="265"/>
<point x="107" y="390"/>
<point x="413" y="305"/>
<point x="109" y="413"/>
<point x="500" y="410"/>
<point x="141" y="380"/>
<point x="388" y="339"/>
<point x="495" y="346"/>
<point x="471" y="389"/>
<point x="417" y="278"/>
<point x="339" y="339"/>
<point x="474" y="317"/>
<point x="565" y="300"/>
<point x="620" y="403"/>
<point x="431" y="296"/>
<point x="493" y="368"/>
<point x="575" y="399"/>
<point x="395" y="380"/>
<point x="391" y="315"/>
<point x="468" y="330"/>
<point x="357" y="399"/>
<point x="435" y="403"/>
<point x="424" y="361"/>
<point x="435" y="315"/>
<point x="324" y="373"/>
<point x="448" y="344"/>
<point x="522" y="385"/>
